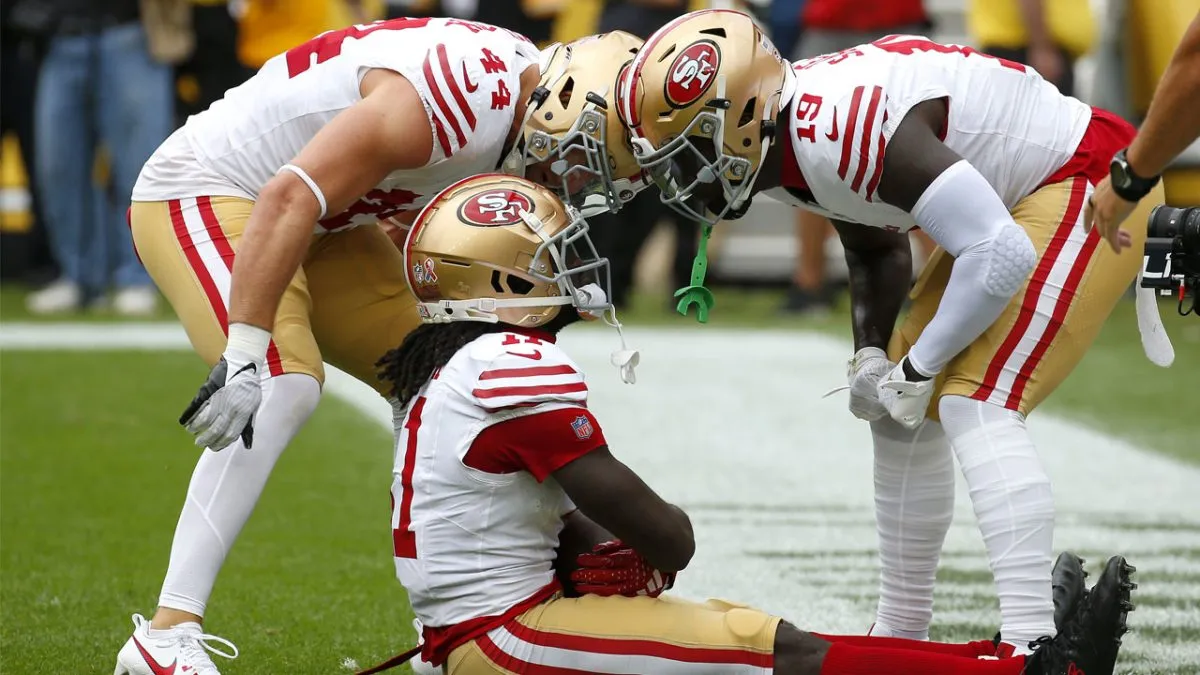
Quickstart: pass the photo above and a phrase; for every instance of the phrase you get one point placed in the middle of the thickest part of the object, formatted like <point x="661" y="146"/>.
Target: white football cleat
<point x="906" y="401"/>
<point x="174" y="651"/>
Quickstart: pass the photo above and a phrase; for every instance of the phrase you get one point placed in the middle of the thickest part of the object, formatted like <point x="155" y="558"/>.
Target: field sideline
<point x="777" y="479"/>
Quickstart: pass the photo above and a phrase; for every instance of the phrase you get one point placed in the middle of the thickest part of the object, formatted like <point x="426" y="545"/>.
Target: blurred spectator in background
<point x="211" y="71"/>
<point x="1048" y="35"/>
<point x="100" y="83"/>
<point x="831" y="26"/>
<point x="620" y="237"/>
<point x="270" y="27"/>
<point x="22" y="40"/>
<point x="1172" y="124"/>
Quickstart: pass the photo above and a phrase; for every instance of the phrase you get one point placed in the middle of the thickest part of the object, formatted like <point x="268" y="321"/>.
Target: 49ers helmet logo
<point x="495" y="208"/>
<point x="692" y="73"/>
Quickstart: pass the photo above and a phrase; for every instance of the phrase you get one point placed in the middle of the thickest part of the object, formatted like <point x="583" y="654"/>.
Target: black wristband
<point x="1127" y="184"/>
<point x="911" y="373"/>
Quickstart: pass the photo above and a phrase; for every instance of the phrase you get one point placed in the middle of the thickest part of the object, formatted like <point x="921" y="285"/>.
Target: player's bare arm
<point x="960" y="210"/>
<point x="879" y="264"/>
<point x="618" y="500"/>
<point x="348" y="157"/>
<point x="1172" y="123"/>
<point x="579" y="535"/>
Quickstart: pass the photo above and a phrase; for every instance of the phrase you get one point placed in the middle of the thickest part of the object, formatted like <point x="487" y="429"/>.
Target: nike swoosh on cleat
<point x="155" y="667"/>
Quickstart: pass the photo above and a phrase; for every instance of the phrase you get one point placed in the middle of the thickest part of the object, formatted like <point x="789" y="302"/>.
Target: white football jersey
<point x="476" y="513"/>
<point x="1011" y="125"/>
<point x="466" y="73"/>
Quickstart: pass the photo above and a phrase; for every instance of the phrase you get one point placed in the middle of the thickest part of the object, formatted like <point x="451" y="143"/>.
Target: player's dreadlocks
<point x="430" y="346"/>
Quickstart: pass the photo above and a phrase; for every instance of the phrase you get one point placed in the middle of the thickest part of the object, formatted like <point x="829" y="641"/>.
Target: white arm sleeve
<point x="992" y="258"/>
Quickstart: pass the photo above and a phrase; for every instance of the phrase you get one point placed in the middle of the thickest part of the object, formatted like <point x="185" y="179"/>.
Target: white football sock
<point x="914" y="504"/>
<point x="224" y="489"/>
<point x="1015" y="508"/>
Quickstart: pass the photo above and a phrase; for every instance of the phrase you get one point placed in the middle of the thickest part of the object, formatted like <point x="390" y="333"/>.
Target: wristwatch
<point x="1127" y="184"/>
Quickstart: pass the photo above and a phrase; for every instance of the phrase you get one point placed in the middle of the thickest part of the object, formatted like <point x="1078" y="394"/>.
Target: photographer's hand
<point x="1106" y="211"/>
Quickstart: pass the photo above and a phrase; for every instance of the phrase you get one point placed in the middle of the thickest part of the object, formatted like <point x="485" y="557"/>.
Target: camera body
<point x="1172" y="257"/>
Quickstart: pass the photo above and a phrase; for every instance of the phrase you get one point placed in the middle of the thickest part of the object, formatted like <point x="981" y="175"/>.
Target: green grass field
<point x="92" y="480"/>
<point x="93" y="468"/>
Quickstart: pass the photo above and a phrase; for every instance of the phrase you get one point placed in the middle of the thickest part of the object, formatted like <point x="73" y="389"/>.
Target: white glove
<point x="224" y="407"/>
<point x="906" y="401"/>
<point x="863" y="372"/>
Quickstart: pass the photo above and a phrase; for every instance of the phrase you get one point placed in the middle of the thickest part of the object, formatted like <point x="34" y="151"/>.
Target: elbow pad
<point x="1009" y="260"/>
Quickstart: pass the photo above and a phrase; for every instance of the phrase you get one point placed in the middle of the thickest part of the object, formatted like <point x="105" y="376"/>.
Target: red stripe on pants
<point x="1036" y="283"/>
<point x="221" y="242"/>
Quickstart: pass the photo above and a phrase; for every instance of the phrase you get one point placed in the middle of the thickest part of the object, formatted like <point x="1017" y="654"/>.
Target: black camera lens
<point x="1167" y="223"/>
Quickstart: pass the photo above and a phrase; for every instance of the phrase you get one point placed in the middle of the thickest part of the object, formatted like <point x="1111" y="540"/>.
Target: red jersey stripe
<point x="534" y="371"/>
<point x="442" y="139"/>
<point x="878" y="173"/>
<point x="848" y="139"/>
<point x="455" y="90"/>
<point x="864" y="148"/>
<point x="440" y="102"/>
<point x="530" y="391"/>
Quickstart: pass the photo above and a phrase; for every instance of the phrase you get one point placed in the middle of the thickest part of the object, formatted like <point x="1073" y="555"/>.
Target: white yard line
<point x="731" y="424"/>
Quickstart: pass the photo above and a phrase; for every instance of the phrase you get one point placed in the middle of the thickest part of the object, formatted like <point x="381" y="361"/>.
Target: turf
<point x="92" y="472"/>
<point x="1115" y="389"/>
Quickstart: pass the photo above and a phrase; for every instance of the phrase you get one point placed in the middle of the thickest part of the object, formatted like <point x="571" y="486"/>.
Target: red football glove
<point x="613" y="568"/>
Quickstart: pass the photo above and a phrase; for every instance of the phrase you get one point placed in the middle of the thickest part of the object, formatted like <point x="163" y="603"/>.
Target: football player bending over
<point x="995" y="165"/>
<point x="258" y="221"/>
<point x="524" y="544"/>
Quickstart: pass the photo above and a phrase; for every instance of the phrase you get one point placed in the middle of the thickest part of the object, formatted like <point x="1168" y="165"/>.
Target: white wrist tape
<point x="250" y="340"/>
<point x="312" y="185"/>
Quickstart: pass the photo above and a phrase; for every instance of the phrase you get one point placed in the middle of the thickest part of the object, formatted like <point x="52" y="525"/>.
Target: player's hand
<point x="613" y="568"/>
<point x="906" y="400"/>
<point x="863" y="372"/>
<point x="1105" y="211"/>
<point x="224" y="407"/>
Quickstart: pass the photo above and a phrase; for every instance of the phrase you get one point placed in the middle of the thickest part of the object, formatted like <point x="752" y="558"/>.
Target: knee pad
<point x="1010" y="259"/>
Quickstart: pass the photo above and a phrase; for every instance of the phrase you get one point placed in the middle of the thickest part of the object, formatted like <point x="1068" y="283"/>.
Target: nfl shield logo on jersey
<point x="582" y="427"/>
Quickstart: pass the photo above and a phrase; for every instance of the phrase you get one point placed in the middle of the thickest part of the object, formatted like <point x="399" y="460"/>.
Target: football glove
<point x="224" y="407"/>
<point x="863" y="372"/>
<point x="613" y="568"/>
<point x="905" y="400"/>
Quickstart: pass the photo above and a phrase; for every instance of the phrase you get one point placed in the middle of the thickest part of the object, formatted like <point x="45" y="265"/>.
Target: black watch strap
<point x="1127" y="184"/>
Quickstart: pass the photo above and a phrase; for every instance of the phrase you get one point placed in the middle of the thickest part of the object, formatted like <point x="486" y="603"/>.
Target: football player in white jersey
<point x="292" y="171"/>
<point x="995" y="165"/>
<point x="524" y="544"/>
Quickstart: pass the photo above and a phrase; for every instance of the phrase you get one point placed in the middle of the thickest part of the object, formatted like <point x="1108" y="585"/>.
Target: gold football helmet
<point x="573" y="140"/>
<point x="701" y="99"/>
<point x="499" y="248"/>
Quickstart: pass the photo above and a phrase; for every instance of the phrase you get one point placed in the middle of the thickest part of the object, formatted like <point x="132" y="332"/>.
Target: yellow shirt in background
<point x="998" y="23"/>
<point x="270" y="27"/>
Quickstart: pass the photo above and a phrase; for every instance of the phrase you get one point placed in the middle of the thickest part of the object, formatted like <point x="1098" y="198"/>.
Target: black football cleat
<point x="1088" y="644"/>
<point x="1069" y="584"/>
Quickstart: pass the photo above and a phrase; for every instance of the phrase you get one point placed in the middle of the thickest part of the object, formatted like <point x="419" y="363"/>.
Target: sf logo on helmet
<point x="692" y="72"/>
<point x="495" y="208"/>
